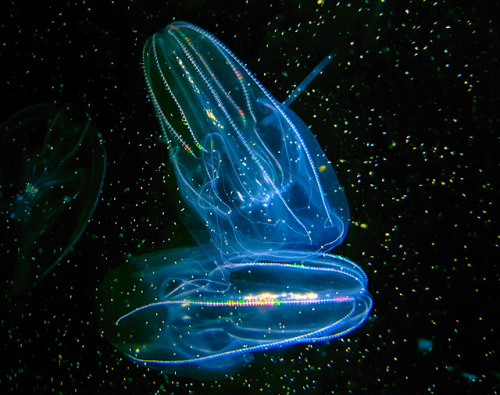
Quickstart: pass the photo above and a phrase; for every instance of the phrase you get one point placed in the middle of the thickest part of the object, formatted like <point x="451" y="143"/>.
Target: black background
<point x="408" y="114"/>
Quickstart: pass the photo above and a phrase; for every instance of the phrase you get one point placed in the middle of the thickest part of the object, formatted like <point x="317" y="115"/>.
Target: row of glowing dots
<point x="267" y="299"/>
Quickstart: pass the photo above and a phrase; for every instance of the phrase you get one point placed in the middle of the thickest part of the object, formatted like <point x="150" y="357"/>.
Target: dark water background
<point x="407" y="113"/>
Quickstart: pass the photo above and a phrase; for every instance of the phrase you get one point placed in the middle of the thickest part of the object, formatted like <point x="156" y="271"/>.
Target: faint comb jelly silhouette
<point x="51" y="174"/>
